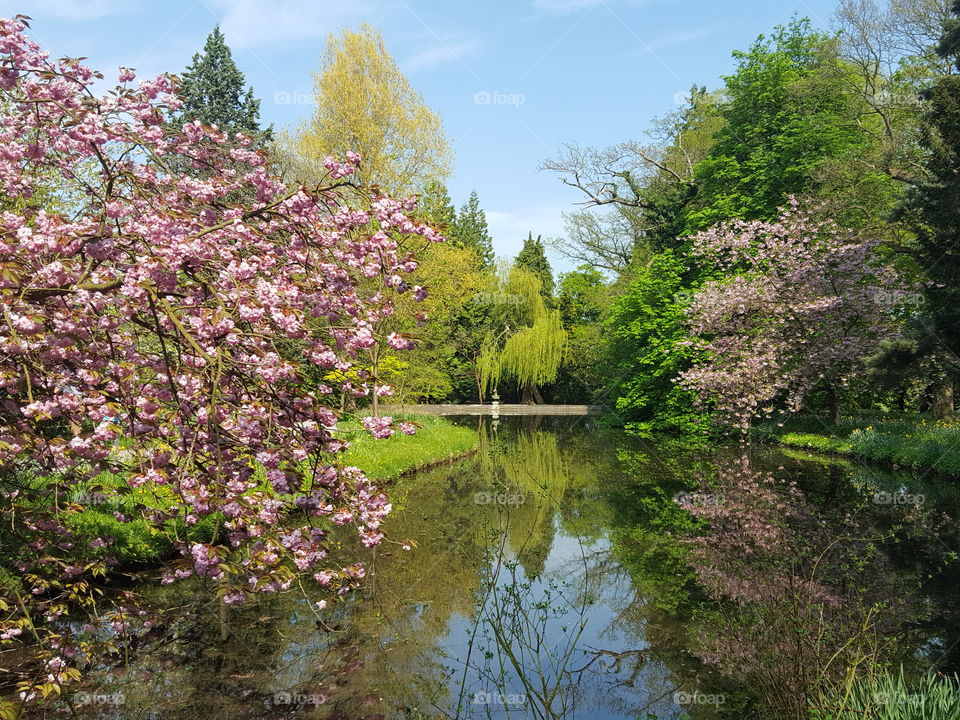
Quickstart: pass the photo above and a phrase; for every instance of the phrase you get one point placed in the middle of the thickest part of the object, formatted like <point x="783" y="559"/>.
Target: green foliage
<point x="888" y="696"/>
<point x="447" y="333"/>
<point x="650" y="526"/>
<point x="436" y="207"/>
<point x="366" y="104"/>
<point x="932" y="205"/>
<point x="666" y="201"/>
<point x="924" y="447"/>
<point x="528" y="346"/>
<point x="213" y="92"/>
<point x="583" y="298"/>
<point x="787" y="110"/>
<point x="138" y="543"/>
<point x="907" y="442"/>
<point x="647" y="335"/>
<point x="532" y="354"/>
<point x="533" y="258"/>
<point x="469" y="230"/>
<point x="815" y="442"/>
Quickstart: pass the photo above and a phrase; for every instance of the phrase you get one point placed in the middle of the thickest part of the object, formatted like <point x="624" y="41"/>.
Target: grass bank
<point x="912" y="442"/>
<point x="437" y="440"/>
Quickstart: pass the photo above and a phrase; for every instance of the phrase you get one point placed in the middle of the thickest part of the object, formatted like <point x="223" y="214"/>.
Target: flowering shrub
<point x="157" y="327"/>
<point x="799" y="303"/>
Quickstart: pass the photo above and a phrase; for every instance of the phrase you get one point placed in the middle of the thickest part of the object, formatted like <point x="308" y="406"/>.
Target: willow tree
<point x="524" y="343"/>
<point x="365" y="104"/>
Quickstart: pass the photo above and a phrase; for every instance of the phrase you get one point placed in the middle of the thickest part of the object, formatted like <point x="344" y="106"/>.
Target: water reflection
<point x="555" y="575"/>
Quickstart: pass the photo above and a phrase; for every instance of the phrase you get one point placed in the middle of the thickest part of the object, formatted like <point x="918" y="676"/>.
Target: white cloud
<point x="253" y="23"/>
<point x="441" y="54"/>
<point x="77" y="10"/>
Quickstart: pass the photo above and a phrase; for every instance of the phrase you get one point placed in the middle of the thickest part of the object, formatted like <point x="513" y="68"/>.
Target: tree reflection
<point x="554" y="575"/>
<point x="790" y="592"/>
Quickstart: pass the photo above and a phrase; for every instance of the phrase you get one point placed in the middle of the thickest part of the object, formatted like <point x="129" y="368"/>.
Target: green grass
<point x="823" y="443"/>
<point x="916" y="443"/>
<point x="139" y="543"/>
<point x="890" y="697"/>
<point x="436" y="439"/>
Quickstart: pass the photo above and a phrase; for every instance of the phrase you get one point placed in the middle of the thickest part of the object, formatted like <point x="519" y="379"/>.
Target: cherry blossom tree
<point x="154" y="328"/>
<point x="797" y="303"/>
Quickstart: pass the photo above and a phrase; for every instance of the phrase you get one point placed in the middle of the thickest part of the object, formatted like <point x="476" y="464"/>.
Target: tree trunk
<point x="224" y="615"/>
<point x="537" y="397"/>
<point x="531" y="394"/>
<point x="833" y="405"/>
<point x="526" y="395"/>
<point x="941" y="406"/>
<point x="375" y="371"/>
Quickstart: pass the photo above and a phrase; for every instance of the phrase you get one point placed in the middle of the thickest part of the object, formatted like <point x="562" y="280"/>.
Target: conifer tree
<point x="934" y="207"/>
<point x="533" y="259"/>
<point x="436" y="207"/>
<point x="470" y="230"/>
<point x="214" y="92"/>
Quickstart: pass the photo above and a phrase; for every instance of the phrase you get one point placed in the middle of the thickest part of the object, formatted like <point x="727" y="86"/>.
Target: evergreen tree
<point x="533" y="259"/>
<point x="213" y="92"/>
<point x="436" y="207"/>
<point x="470" y="230"/>
<point x="934" y="207"/>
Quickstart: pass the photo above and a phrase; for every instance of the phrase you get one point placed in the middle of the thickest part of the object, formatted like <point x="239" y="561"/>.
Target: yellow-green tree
<point x="526" y="338"/>
<point x="455" y="278"/>
<point x="365" y="104"/>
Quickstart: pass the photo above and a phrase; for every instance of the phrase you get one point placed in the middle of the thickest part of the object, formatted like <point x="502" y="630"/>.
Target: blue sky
<point x="513" y="80"/>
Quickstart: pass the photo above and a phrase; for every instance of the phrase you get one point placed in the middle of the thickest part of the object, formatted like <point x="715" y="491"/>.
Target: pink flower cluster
<point x="798" y="304"/>
<point x="154" y="326"/>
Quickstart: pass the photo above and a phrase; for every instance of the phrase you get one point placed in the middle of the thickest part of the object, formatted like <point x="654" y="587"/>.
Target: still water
<point x="566" y="571"/>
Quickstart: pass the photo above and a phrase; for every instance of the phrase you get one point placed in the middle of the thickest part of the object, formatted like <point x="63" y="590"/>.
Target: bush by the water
<point x="918" y="445"/>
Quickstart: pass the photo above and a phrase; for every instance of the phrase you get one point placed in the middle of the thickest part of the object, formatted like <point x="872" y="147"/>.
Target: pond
<point x="567" y="571"/>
